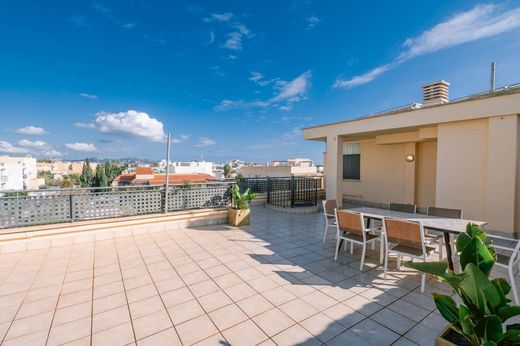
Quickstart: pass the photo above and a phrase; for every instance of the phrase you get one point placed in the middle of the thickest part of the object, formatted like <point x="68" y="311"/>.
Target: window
<point x="351" y="161"/>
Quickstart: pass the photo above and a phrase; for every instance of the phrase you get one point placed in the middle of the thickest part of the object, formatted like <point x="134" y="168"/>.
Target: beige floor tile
<point x="203" y="288"/>
<point x="262" y="284"/>
<point x="214" y="301"/>
<point x="178" y="296"/>
<point x="118" y="335"/>
<point x="109" y="289"/>
<point x="33" y="339"/>
<point x="166" y="337"/>
<point x="227" y="316"/>
<point x="77" y="285"/>
<point x="111" y="318"/>
<point x="151" y="324"/>
<point x="296" y="335"/>
<point x="319" y="300"/>
<point x="240" y="291"/>
<point x="140" y="293"/>
<point x="8" y="314"/>
<point x="195" y="277"/>
<point x="255" y="305"/>
<point x="217" y="271"/>
<point x="138" y="281"/>
<point x="298" y="310"/>
<point x="246" y="333"/>
<point x="338" y="293"/>
<point x="146" y="306"/>
<point x="215" y="340"/>
<point x="344" y="315"/>
<point x="169" y="285"/>
<point x="72" y="313"/>
<point x="109" y="302"/>
<point x="68" y="332"/>
<point x="185" y="311"/>
<point x="38" y="307"/>
<point x="30" y="325"/>
<point x="278" y="295"/>
<point x="322" y="327"/>
<point x="228" y="280"/>
<point x="273" y="321"/>
<point x="196" y="330"/>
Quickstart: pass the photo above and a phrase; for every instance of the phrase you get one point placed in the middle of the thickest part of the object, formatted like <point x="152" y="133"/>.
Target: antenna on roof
<point x="492" y="82"/>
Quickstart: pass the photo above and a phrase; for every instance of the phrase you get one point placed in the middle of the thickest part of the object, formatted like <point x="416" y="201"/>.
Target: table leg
<point x="447" y="243"/>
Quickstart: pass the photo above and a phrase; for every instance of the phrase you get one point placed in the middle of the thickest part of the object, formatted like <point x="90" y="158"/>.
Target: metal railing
<point x="293" y="191"/>
<point x="38" y="207"/>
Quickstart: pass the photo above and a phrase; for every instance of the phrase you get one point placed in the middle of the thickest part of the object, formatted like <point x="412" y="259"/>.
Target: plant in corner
<point x="238" y="214"/>
<point x="481" y="317"/>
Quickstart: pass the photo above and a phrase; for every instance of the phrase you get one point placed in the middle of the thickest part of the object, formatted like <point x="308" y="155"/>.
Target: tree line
<point x="103" y="176"/>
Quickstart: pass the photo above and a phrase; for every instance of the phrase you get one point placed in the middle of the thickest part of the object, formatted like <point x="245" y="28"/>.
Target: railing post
<point x="71" y="211"/>
<point x="268" y="190"/>
<point x="293" y="190"/>
<point x="315" y="191"/>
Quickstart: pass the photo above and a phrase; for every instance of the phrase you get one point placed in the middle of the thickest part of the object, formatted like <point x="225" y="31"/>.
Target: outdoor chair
<point x="403" y="208"/>
<point x="439" y="238"/>
<point x="351" y="228"/>
<point x="405" y="238"/>
<point x="508" y="257"/>
<point x="330" y="218"/>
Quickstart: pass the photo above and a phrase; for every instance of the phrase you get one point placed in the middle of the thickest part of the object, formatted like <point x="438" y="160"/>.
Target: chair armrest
<point x="503" y="248"/>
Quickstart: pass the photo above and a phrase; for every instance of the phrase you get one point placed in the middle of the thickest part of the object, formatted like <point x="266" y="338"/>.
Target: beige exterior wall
<point x="277" y="171"/>
<point x="467" y="155"/>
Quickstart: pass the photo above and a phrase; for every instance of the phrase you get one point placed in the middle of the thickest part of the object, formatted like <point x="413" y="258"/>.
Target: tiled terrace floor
<point x="271" y="283"/>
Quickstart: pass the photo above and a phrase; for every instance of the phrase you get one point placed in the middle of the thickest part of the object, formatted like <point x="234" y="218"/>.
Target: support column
<point x="333" y="169"/>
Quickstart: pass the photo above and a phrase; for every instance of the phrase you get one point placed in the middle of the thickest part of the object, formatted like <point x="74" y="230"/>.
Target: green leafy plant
<point x="240" y="200"/>
<point x="485" y="309"/>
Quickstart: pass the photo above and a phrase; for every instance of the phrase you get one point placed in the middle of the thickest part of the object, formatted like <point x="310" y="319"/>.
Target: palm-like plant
<point x="485" y="309"/>
<point x="240" y="200"/>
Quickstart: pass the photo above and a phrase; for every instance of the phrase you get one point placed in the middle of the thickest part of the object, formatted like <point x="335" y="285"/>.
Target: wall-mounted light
<point x="410" y="158"/>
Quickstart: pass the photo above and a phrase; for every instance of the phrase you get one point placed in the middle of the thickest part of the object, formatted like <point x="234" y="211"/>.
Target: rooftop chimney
<point x="436" y="93"/>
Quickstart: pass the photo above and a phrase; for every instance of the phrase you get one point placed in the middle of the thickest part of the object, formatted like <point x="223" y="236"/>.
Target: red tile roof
<point x="143" y="170"/>
<point x="160" y="179"/>
<point x="125" y="177"/>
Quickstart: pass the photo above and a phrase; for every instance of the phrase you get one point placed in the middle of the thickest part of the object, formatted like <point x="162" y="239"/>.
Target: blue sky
<point x="231" y="79"/>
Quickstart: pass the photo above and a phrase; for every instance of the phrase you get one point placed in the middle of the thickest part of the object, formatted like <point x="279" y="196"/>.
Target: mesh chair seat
<point x="412" y="250"/>
<point x="503" y="259"/>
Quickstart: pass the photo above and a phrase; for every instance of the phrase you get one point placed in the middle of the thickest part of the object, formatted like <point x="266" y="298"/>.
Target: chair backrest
<point x="445" y="212"/>
<point x="328" y="207"/>
<point x="408" y="233"/>
<point x="350" y="221"/>
<point x="404" y="208"/>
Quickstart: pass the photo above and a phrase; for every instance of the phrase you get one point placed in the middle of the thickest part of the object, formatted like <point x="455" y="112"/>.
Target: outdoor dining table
<point x="435" y="223"/>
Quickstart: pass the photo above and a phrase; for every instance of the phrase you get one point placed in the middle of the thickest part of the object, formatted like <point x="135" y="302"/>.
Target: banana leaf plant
<point x="485" y="308"/>
<point x="241" y="200"/>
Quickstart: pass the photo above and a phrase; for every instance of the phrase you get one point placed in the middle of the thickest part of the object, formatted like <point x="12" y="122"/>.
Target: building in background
<point x="147" y="176"/>
<point x="60" y="168"/>
<point x="291" y="167"/>
<point x="19" y="173"/>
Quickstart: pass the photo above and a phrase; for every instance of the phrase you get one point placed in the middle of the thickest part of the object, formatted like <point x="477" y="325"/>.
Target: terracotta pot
<point x="441" y="339"/>
<point x="238" y="217"/>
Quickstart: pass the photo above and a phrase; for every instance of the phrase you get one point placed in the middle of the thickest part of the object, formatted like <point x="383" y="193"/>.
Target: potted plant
<point x="238" y="214"/>
<point x="480" y="319"/>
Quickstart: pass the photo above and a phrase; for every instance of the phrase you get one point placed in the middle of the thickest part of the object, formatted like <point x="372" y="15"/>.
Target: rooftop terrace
<point x="273" y="282"/>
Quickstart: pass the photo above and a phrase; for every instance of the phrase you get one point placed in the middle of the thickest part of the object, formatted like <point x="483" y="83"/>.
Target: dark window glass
<point x="351" y="166"/>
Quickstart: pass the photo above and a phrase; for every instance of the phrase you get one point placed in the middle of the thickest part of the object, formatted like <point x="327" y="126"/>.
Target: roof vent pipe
<point x="492" y="82"/>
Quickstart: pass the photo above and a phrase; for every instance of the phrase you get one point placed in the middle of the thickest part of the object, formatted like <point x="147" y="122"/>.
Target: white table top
<point x="430" y="222"/>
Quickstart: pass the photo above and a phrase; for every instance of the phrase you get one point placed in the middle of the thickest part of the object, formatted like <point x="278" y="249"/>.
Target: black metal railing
<point x="292" y="192"/>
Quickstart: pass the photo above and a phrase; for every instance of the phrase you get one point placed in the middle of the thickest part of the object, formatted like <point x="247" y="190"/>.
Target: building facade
<point x="294" y="166"/>
<point x="18" y="173"/>
<point x="461" y="154"/>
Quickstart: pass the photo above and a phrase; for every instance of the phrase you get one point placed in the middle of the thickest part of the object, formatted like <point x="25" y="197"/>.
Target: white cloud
<point x="219" y="17"/>
<point x="234" y="39"/>
<point x="88" y="96"/>
<point x="130" y="123"/>
<point x="180" y="139"/>
<point x="84" y="147"/>
<point x="294" y="90"/>
<point x="31" y="131"/>
<point x="211" y="37"/>
<point x="81" y="21"/>
<point x="312" y="22"/>
<point x="205" y="142"/>
<point x="85" y="125"/>
<point x="362" y="79"/>
<point x="183" y="137"/>
<point x="480" y="22"/>
<point x="6" y="147"/>
<point x="104" y="10"/>
<point x="256" y="76"/>
<point x="52" y="153"/>
<point x="32" y="144"/>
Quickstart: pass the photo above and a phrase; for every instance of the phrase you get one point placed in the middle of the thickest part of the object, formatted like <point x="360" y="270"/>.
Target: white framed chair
<point x="330" y="217"/>
<point x="351" y="228"/>
<point x="405" y="238"/>
<point x="439" y="238"/>
<point x="508" y="258"/>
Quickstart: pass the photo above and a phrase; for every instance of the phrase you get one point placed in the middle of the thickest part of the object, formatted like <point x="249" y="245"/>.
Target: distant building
<point x="59" y="168"/>
<point x="19" y="173"/>
<point x="147" y="176"/>
<point x="294" y="166"/>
